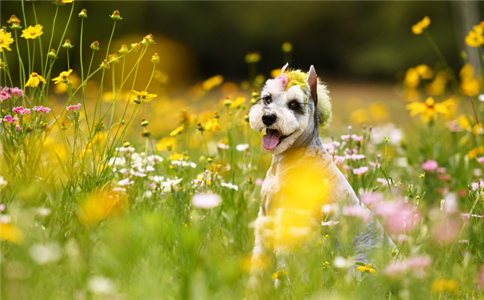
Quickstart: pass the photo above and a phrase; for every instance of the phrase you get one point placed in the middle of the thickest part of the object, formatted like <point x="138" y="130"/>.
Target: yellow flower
<point x="475" y="152"/>
<point x="98" y="206"/>
<point x="278" y="274"/>
<point x="424" y="71"/>
<point x="469" y="84"/>
<point x="32" y="32"/>
<point x="34" y="80"/>
<point x="178" y="130"/>
<point x="143" y="95"/>
<point x="463" y="122"/>
<point x="8" y="232"/>
<point x="437" y="87"/>
<point x="367" y="269"/>
<point x="444" y="285"/>
<point x="212" y="82"/>
<point x="5" y="40"/>
<point x="475" y="38"/>
<point x="212" y="125"/>
<point x="429" y="110"/>
<point x="178" y="156"/>
<point x="412" y="79"/>
<point x="63" y="77"/>
<point x="166" y="143"/>
<point x="419" y="27"/>
<point x="238" y="102"/>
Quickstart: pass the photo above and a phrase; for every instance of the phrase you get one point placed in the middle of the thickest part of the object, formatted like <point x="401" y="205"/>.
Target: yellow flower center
<point x="34" y="74"/>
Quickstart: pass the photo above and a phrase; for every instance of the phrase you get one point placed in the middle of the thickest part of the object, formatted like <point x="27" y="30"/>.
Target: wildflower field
<point x="111" y="187"/>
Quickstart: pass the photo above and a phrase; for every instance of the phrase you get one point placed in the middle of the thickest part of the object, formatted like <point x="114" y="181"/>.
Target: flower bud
<point x="148" y="40"/>
<point x="113" y="58"/>
<point x="67" y="44"/>
<point x="126" y="144"/>
<point x="95" y="46"/>
<point x="246" y="118"/>
<point x="116" y="16"/>
<point x="15" y="22"/>
<point x="200" y="127"/>
<point x="136" y="47"/>
<point x="253" y="101"/>
<point x="216" y="115"/>
<point x="250" y="180"/>
<point x="83" y="13"/>
<point x="2" y="64"/>
<point x="122" y="122"/>
<point x="227" y="102"/>
<point x="210" y="159"/>
<point x="145" y="133"/>
<point x="51" y="54"/>
<point x="254" y="94"/>
<point x="137" y="100"/>
<point x="123" y="50"/>
<point x="144" y="123"/>
<point x="169" y="146"/>
<point x="105" y="64"/>
<point x="155" y="58"/>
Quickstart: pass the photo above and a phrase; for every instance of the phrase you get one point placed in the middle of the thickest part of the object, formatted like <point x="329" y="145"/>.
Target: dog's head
<point x="292" y="105"/>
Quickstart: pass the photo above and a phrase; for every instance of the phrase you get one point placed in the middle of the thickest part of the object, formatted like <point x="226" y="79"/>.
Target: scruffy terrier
<point x="302" y="177"/>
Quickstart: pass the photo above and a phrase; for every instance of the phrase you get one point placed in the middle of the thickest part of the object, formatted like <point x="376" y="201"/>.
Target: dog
<point x="302" y="177"/>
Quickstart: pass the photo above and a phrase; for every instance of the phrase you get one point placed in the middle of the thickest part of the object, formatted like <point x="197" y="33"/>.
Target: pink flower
<point x="18" y="128"/>
<point x="371" y="199"/>
<point x="357" y="211"/>
<point x="338" y="160"/>
<point x="361" y="170"/>
<point x="125" y="182"/>
<point x="16" y="92"/>
<point x="4" y="96"/>
<point x="356" y="138"/>
<point x="283" y="80"/>
<point x="9" y="119"/>
<point x="398" y="217"/>
<point x="21" y="110"/>
<point x="206" y="201"/>
<point x="481" y="159"/>
<point x="345" y="137"/>
<point x="259" y="181"/>
<point x="382" y="180"/>
<point x="430" y="165"/>
<point x="74" y="107"/>
<point x="41" y="109"/>
<point x="396" y="268"/>
<point x="419" y="262"/>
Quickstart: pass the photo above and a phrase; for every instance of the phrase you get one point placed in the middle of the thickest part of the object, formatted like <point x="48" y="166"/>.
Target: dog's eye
<point x="294" y="104"/>
<point x="267" y="100"/>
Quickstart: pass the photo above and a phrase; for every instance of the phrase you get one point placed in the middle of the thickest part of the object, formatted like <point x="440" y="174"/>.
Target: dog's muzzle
<point x="269" y="119"/>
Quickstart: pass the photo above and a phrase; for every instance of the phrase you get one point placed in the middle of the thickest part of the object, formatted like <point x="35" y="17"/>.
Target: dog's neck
<point x="307" y="144"/>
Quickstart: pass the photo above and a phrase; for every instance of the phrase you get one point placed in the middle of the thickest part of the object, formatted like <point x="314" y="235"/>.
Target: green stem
<point x="444" y="61"/>
<point x="21" y="68"/>
<point x="40" y="40"/>
<point x="110" y="39"/>
<point x="6" y="69"/>
<point x="28" y="48"/>
<point x="52" y="35"/>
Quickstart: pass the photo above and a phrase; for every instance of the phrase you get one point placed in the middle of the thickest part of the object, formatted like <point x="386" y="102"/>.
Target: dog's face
<point x="286" y="110"/>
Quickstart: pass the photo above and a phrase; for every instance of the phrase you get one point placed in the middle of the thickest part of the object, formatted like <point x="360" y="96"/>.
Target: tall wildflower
<point x="34" y="80"/>
<point x="5" y="40"/>
<point x="475" y="38"/>
<point x="32" y="32"/>
<point x="421" y="25"/>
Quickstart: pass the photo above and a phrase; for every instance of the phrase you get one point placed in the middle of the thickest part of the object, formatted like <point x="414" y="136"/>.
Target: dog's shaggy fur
<point x="292" y="108"/>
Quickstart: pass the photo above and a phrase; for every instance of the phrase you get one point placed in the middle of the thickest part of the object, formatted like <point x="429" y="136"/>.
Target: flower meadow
<point x="112" y="188"/>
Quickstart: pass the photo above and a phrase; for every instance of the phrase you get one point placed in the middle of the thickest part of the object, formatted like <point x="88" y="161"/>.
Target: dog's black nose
<point x="268" y="120"/>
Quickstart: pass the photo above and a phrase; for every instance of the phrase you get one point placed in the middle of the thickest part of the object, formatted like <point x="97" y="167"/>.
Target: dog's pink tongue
<point x="271" y="139"/>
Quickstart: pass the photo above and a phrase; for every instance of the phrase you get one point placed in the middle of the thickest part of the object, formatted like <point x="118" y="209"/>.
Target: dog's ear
<point x="313" y="84"/>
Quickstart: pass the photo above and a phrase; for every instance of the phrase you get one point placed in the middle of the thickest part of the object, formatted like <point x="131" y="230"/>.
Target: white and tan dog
<point x="302" y="177"/>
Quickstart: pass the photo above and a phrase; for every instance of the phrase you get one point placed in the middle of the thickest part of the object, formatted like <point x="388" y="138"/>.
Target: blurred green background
<point x="348" y="39"/>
